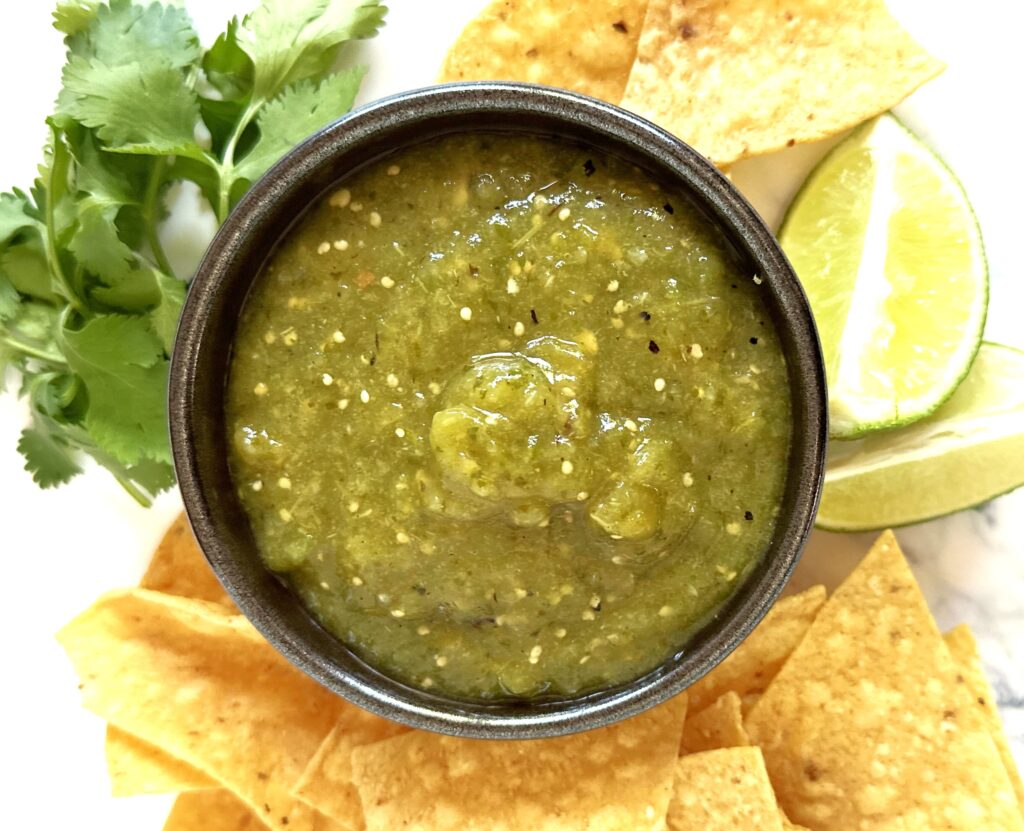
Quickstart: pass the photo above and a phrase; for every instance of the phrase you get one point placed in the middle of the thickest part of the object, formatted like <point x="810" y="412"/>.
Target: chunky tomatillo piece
<point x="512" y="431"/>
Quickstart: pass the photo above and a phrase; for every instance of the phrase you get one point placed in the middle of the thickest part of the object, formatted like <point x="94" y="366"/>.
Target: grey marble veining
<point x="971" y="569"/>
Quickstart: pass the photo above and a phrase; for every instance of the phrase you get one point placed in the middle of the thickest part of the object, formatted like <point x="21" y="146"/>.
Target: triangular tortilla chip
<point x="137" y="767"/>
<point x="588" y="47"/>
<point x="720" y="725"/>
<point x="866" y="726"/>
<point x="723" y="790"/>
<point x="617" y="777"/>
<point x="964" y="649"/>
<point x="737" y="78"/>
<point x="201" y="684"/>
<point x="326" y="784"/>
<point x="751" y="667"/>
<point x="179" y="567"/>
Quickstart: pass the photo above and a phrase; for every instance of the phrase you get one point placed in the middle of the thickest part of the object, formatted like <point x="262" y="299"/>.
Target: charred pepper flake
<point x="753" y="341"/>
<point x="588" y="168"/>
<point x="645" y="315"/>
<point x="533" y="315"/>
<point x="620" y="26"/>
<point x="668" y="208"/>
<point x="653" y="347"/>
<point x="748" y="516"/>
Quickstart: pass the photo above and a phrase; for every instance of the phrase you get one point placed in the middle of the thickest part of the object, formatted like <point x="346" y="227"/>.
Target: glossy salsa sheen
<point x="511" y="418"/>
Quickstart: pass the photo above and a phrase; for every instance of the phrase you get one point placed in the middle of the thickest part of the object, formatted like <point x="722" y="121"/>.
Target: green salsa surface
<point x="511" y="418"/>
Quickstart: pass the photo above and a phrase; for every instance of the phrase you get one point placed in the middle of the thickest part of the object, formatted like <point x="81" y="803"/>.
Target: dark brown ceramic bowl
<point x="203" y="351"/>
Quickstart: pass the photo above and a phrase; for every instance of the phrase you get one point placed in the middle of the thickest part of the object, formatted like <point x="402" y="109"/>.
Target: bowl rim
<point x="462" y="107"/>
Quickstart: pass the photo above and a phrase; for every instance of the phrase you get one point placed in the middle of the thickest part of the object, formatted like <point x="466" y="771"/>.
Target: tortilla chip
<point x="203" y="685"/>
<point x="137" y="767"/>
<point x="588" y="47"/>
<point x="789" y="825"/>
<point x="866" y="726"/>
<point x="720" y="725"/>
<point x="964" y="649"/>
<point x="737" y="78"/>
<point x="723" y="790"/>
<point x="178" y="567"/>
<point x="618" y="777"/>
<point x="216" y="810"/>
<point x="326" y="784"/>
<point x="751" y="667"/>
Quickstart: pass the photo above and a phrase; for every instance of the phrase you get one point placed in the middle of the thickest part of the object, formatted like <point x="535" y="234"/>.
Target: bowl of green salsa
<point x="498" y="411"/>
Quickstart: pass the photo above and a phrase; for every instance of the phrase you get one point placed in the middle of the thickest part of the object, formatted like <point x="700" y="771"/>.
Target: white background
<point x="59" y="549"/>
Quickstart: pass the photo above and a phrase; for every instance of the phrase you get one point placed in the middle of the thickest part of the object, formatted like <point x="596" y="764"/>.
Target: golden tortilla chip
<point x="720" y="725"/>
<point x="617" y="777"/>
<point x="723" y="790"/>
<point x="737" y="78"/>
<point x="866" y="726"/>
<point x="751" y="667"/>
<point x="216" y="810"/>
<point x="964" y="649"/>
<point x="178" y="567"/>
<point x="201" y="684"/>
<point x="588" y="47"/>
<point x="326" y="784"/>
<point x="137" y="767"/>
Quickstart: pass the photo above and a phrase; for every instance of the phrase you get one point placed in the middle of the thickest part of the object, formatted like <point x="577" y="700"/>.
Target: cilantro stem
<point x="32" y="351"/>
<point x="135" y="493"/>
<point x="227" y="165"/>
<point x="150" y="213"/>
<point x="58" y="170"/>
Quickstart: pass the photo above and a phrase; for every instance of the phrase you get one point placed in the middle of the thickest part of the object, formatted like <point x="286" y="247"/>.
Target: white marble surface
<point x="62" y="548"/>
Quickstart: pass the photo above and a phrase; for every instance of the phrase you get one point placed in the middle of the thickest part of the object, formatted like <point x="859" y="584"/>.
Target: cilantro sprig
<point x="89" y="302"/>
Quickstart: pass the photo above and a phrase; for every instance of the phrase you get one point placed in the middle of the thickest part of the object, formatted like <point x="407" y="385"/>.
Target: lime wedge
<point x="969" y="451"/>
<point x="890" y="255"/>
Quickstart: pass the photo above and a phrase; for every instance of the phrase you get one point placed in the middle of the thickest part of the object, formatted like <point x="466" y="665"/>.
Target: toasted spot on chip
<point x="866" y="725"/>
<point x="751" y="667"/>
<point x="201" y="684"/>
<point x="719" y="725"/>
<point x="737" y="79"/>
<point x="588" y="47"/>
<point x="617" y="777"/>
<point x="137" y="767"/>
<point x="964" y="649"/>
<point x="723" y="790"/>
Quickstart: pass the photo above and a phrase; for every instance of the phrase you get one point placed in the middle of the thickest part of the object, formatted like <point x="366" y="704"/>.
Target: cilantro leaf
<point x="227" y="66"/>
<point x="165" y="315"/>
<point x="96" y="244"/>
<point x="10" y="301"/>
<point x="292" y="41"/>
<point x="24" y="265"/>
<point x="121" y="361"/>
<point x="48" y="456"/>
<point x="123" y="33"/>
<point x="14" y="215"/>
<point x="72" y="16"/>
<point x="120" y="103"/>
<point x="295" y="114"/>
